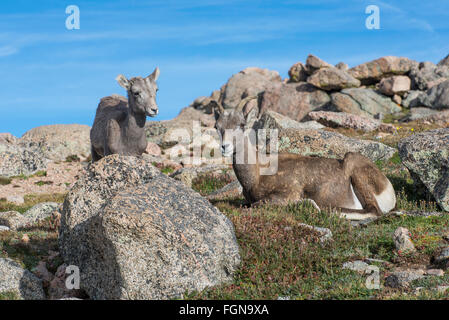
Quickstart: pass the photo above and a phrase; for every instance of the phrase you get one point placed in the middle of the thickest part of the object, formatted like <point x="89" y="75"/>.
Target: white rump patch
<point x="387" y="199"/>
<point x="355" y="200"/>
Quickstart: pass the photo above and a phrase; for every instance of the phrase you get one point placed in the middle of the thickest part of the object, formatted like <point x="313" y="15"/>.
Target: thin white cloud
<point x="8" y="51"/>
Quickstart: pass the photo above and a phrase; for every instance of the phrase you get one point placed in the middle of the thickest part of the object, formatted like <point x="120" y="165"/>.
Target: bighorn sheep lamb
<point x="353" y="185"/>
<point x="120" y="128"/>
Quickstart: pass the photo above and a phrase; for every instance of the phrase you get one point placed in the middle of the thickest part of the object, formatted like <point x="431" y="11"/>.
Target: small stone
<point x="442" y="258"/>
<point x="4" y="228"/>
<point x="402" y="240"/>
<point x="402" y="278"/>
<point x="357" y="265"/>
<point x="435" y="272"/>
<point x="397" y="99"/>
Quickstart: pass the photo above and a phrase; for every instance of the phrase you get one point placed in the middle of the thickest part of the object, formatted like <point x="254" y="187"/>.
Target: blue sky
<point x="53" y="75"/>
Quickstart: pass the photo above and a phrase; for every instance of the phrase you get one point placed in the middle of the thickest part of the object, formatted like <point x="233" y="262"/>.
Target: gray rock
<point x="13" y="220"/>
<point x="146" y="236"/>
<point x="347" y="120"/>
<point x="101" y="181"/>
<point x="363" y="102"/>
<point x="402" y="240"/>
<point x="298" y="73"/>
<point x="249" y="81"/>
<point x="413" y="99"/>
<point x="441" y="259"/>
<point x="293" y="100"/>
<point x="233" y="189"/>
<point x="437" y="97"/>
<point x="435" y="272"/>
<point x="330" y="144"/>
<point x="19" y="281"/>
<point x="444" y="62"/>
<point x="426" y="155"/>
<point x="402" y="278"/>
<point x="187" y="175"/>
<point x="59" y="141"/>
<point x="313" y="63"/>
<point x="20" y="159"/>
<point x="41" y="211"/>
<point x="373" y="71"/>
<point x="426" y="75"/>
<point x="273" y="120"/>
<point x="357" y="265"/>
<point x="419" y="113"/>
<point x="332" y="79"/>
<point x="342" y="66"/>
<point x="4" y="228"/>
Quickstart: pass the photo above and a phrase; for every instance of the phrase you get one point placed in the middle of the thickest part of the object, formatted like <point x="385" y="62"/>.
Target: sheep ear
<point x="155" y="75"/>
<point x="122" y="81"/>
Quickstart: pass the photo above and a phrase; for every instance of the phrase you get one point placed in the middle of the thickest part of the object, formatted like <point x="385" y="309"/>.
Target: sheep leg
<point x="112" y="138"/>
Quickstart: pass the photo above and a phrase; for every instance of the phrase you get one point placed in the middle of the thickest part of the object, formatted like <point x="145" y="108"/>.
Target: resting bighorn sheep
<point x="353" y="185"/>
<point x="120" y="128"/>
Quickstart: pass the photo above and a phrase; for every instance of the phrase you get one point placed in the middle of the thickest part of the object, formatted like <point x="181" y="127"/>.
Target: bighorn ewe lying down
<point x="119" y="128"/>
<point x="353" y="185"/>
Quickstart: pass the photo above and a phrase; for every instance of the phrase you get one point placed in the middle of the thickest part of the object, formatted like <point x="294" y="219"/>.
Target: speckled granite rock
<point x="426" y="155"/>
<point x="19" y="281"/>
<point x="402" y="278"/>
<point x="101" y="181"/>
<point x="57" y="142"/>
<point x="41" y="211"/>
<point x="330" y="144"/>
<point x="17" y="159"/>
<point x="137" y="234"/>
<point x="402" y="241"/>
<point x="13" y="220"/>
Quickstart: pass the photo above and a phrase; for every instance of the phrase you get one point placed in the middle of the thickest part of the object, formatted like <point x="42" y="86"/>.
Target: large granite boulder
<point x="437" y="97"/>
<point x="313" y="63"/>
<point x="20" y="282"/>
<point x="137" y="234"/>
<point x="426" y="155"/>
<point x="395" y="85"/>
<point x="329" y="144"/>
<point x="363" y="102"/>
<point x="59" y="141"/>
<point x="294" y="100"/>
<point x="331" y="78"/>
<point x="373" y="71"/>
<point x="17" y="160"/>
<point x="248" y="82"/>
<point x="298" y="72"/>
<point x="426" y="75"/>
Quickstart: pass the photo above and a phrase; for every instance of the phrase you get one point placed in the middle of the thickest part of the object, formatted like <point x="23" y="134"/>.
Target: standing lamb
<point x="119" y="127"/>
